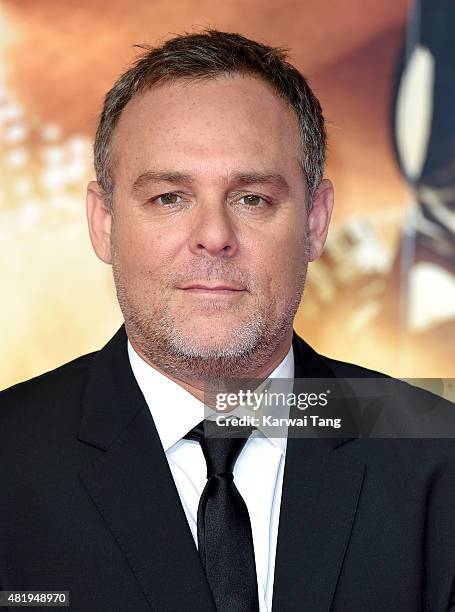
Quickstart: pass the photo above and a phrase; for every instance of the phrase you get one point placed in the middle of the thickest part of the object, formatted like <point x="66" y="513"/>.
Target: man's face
<point x="209" y="241"/>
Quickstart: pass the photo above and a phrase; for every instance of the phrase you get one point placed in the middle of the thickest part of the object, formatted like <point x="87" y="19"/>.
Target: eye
<point x="252" y="200"/>
<point x="168" y="199"/>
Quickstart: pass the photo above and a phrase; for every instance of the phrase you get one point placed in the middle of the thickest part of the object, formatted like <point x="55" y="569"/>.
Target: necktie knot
<point x="221" y="445"/>
<point x="224" y="475"/>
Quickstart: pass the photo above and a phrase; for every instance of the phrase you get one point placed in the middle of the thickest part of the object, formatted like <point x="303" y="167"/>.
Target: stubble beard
<point x="161" y="339"/>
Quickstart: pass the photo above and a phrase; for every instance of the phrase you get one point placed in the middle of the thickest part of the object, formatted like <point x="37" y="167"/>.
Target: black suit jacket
<point x="89" y="505"/>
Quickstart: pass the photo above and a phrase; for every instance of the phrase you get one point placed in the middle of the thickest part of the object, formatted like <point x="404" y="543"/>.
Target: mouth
<point x="219" y="287"/>
<point x="213" y="292"/>
<point x="217" y="290"/>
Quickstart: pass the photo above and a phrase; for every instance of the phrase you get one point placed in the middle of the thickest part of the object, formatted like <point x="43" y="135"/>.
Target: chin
<point x="223" y="343"/>
<point x="200" y="342"/>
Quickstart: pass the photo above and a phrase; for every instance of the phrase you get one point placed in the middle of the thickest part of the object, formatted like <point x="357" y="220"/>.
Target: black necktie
<point x="225" y="541"/>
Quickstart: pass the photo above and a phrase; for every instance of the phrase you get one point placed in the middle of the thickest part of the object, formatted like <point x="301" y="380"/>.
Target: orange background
<point x="59" y="58"/>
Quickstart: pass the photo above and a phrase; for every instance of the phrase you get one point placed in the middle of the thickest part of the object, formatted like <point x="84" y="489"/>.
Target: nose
<point x="212" y="231"/>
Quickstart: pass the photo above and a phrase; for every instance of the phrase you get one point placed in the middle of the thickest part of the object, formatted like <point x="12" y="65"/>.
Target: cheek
<point x="278" y="281"/>
<point x="282" y="259"/>
<point x="139" y="252"/>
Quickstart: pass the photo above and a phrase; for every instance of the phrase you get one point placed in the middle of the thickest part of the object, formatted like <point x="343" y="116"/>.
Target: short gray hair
<point x="205" y="55"/>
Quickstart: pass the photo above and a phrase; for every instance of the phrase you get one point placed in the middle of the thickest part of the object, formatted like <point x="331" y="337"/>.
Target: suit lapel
<point x="321" y="488"/>
<point x="133" y="488"/>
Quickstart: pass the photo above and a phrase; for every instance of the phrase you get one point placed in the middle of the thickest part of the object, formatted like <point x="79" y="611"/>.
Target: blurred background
<point x="383" y="294"/>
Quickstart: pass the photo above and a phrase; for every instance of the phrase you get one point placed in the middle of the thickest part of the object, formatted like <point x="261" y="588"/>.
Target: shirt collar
<point x="175" y="411"/>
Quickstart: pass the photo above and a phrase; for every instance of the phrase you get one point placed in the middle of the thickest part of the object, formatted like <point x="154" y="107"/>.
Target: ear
<point x="319" y="218"/>
<point x="99" y="219"/>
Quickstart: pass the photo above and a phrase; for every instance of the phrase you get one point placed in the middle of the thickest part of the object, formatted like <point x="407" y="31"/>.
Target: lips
<point x="206" y="287"/>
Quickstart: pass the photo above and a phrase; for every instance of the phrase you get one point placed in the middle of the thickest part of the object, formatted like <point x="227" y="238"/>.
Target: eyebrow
<point x="277" y="180"/>
<point x="239" y="178"/>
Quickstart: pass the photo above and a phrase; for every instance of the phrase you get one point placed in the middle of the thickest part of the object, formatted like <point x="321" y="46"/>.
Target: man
<point x="209" y="204"/>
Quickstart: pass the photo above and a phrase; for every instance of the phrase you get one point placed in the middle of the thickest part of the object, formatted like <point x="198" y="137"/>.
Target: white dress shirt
<point x="258" y="471"/>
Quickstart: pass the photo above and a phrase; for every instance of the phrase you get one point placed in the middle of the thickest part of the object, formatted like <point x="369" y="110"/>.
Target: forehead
<point x="212" y="125"/>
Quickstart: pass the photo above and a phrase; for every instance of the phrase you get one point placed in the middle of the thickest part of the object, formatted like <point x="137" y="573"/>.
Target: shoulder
<point x="309" y="363"/>
<point x="411" y="392"/>
<point x="345" y="369"/>
<point x="44" y="394"/>
<point x="396" y="413"/>
<point x="352" y="372"/>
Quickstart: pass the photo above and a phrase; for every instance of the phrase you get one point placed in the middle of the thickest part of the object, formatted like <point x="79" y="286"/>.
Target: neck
<point x="197" y="387"/>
